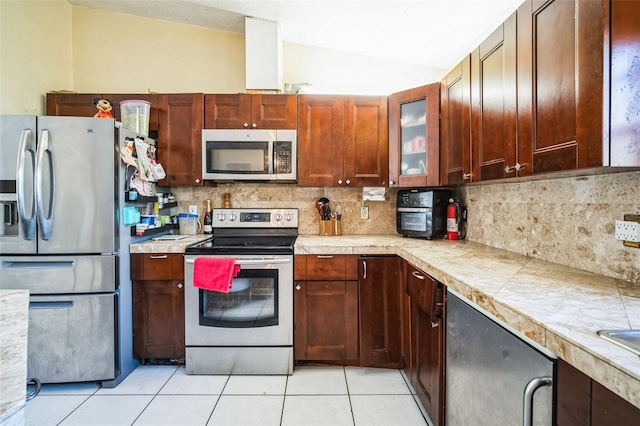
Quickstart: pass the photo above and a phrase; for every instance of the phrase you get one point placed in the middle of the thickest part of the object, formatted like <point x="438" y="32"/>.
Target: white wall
<point x="52" y="45"/>
<point x="35" y="53"/>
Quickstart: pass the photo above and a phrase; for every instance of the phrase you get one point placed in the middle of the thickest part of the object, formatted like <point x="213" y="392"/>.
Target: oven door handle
<point x="257" y="261"/>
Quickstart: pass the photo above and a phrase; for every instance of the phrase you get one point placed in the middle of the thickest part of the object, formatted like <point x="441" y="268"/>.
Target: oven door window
<point x="419" y="222"/>
<point x="238" y="157"/>
<point x="252" y="301"/>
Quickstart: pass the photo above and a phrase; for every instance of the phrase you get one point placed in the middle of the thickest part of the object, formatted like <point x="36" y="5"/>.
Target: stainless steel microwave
<point x="253" y="155"/>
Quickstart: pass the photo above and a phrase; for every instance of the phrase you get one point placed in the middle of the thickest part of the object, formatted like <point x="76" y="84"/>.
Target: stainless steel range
<point x="248" y="330"/>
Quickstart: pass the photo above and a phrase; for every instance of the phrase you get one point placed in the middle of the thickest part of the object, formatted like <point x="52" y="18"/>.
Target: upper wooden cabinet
<point x="250" y="111"/>
<point x="414" y="137"/>
<point x="455" y="134"/>
<point x="180" y="138"/>
<point x="342" y="141"/>
<point x="561" y="85"/>
<point x="494" y="109"/>
<point x="81" y="105"/>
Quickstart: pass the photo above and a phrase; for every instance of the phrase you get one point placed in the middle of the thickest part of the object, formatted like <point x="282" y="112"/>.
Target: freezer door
<point x="59" y="274"/>
<point x="17" y="199"/>
<point x="72" y="338"/>
<point x="76" y="181"/>
<point x="487" y="371"/>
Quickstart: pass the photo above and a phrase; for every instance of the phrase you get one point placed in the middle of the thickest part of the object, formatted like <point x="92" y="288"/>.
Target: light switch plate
<point x="193" y="209"/>
<point x="364" y="212"/>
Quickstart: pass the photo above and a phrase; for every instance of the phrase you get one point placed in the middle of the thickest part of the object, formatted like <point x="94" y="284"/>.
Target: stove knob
<point x="289" y="217"/>
<point x="232" y="217"/>
<point x="278" y="217"/>
<point x="222" y="217"/>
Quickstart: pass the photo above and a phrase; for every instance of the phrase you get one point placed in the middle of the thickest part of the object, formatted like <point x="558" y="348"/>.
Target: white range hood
<point x="263" y="52"/>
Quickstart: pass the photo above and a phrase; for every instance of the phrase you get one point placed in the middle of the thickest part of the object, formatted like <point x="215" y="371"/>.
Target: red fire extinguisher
<point x="452" y="219"/>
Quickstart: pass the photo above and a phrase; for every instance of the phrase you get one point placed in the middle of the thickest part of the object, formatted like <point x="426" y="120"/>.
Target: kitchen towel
<point x="214" y="274"/>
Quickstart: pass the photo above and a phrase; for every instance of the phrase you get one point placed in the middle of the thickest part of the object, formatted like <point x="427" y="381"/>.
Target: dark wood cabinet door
<point x="71" y="104"/>
<point x="320" y="140"/>
<point x="560" y="84"/>
<point x="274" y="111"/>
<point x="573" y="401"/>
<point x="494" y="109"/>
<point x="366" y="141"/>
<point x="380" y="291"/>
<point x="427" y="321"/>
<point x="180" y="138"/>
<point x="326" y="321"/>
<point x="158" y="319"/>
<point x="227" y="111"/>
<point x="332" y="267"/>
<point x="414" y="137"/>
<point x="455" y="133"/>
<point x="406" y="339"/>
<point x="608" y="409"/>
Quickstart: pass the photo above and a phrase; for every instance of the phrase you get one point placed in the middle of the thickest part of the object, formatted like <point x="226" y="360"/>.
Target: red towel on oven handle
<point x="214" y="273"/>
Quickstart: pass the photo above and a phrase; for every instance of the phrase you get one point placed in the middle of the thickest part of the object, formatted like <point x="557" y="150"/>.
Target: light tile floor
<point x="166" y="395"/>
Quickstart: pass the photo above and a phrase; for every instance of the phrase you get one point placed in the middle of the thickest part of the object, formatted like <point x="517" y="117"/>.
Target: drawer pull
<point x="325" y="257"/>
<point x="417" y="275"/>
<point x="161" y="256"/>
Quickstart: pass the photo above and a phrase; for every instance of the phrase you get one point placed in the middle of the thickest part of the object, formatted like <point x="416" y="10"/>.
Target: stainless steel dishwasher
<point x="493" y="377"/>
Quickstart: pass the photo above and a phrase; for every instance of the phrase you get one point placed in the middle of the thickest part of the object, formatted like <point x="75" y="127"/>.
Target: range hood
<point x="263" y="54"/>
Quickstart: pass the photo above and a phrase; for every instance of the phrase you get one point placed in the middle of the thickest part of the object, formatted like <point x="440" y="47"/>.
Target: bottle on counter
<point x="208" y="228"/>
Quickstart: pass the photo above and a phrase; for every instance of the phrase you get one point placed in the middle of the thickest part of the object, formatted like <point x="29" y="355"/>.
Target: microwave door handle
<point x="45" y="220"/>
<point x="272" y="156"/>
<point x="26" y="153"/>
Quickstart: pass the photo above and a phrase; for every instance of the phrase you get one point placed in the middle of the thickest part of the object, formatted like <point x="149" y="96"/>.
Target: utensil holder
<point x="330" y="227"/>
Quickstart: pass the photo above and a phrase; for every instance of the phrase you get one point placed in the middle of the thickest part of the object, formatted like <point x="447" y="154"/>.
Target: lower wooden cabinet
<point x="380" y="293"/>
<point x="582" y="401"/>
<point x="427" y="341"/>
<point x="325" y="304"/>
<point x="158" y="305"/>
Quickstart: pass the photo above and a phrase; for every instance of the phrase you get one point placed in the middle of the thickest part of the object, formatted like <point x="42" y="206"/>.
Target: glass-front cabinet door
<point x="414" y="137"/>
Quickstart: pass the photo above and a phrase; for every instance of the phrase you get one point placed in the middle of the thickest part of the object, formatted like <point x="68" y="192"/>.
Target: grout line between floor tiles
<point x="353" y="418"/>
<point x="226" y="382"/>
<point x="284" y="398"/>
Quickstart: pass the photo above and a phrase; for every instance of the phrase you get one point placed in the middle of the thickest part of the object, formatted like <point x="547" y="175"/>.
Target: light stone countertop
<point x="166" y="246"/>
<point x="558" y="307"/>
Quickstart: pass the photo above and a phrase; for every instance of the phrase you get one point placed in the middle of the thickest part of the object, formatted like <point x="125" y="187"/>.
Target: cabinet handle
<point x="392" y="182"/>
<point x="348" y="182"/>
<point x="254" y="125"/>
<point x="158" y="256"/>
<point x="434" y="324"/>
<point x="298" y="287"/>
<point x="339" y="181"/>
<point x="324" y="257"/>
<point x="197" y="180"/>
<point x="364" y="265"/>
<point x="180" y="285"/>
<point x="520" y="166"/>
<point x="246" y="125"/>
<point x="509" y="169"/>
<point x="466" y="176"/>
<point x="417" y="275"/>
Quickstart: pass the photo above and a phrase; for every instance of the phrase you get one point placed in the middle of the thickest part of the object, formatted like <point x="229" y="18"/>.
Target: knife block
<point x="330" y="227"/>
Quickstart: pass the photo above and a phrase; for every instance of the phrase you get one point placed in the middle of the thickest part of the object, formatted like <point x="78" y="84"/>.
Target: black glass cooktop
<point x="244" y="244"/>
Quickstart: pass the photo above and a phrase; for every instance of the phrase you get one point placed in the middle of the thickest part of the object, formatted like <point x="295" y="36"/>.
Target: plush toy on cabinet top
<point x="104" y="108"/>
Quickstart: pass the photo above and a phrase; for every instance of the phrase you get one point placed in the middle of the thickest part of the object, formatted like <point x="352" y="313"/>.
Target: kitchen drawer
<point x="332" y="267"/>
<point x="420" y="288"/>
<point x="157" y="266"/>
<point x="300" y="267"/>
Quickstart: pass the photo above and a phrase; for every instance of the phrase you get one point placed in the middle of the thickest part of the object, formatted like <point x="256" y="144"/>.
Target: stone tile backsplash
<point x="570" y="221"/>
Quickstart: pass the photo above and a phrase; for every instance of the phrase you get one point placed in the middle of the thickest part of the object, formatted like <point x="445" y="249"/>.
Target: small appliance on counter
<point x="422" y="213"/>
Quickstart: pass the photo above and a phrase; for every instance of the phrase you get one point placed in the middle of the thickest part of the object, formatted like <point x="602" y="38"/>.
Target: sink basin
<point x="628" y="339"/>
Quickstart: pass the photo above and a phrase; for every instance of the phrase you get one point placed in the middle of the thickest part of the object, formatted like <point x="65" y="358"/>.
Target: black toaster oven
<point x="422" y="213"/>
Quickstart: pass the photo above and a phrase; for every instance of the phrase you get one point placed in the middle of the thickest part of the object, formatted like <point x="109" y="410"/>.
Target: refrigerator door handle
<point x="63" y="304"/>
<point x="533" y="385"/>
<point x="45" y="219"/>
<point x="26" y="153"/>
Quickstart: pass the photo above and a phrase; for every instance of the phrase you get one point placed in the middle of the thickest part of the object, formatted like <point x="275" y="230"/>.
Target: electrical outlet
<point x="193" y="209"/>
<point x="627" y="231"/>
<point x="364" y="212"/>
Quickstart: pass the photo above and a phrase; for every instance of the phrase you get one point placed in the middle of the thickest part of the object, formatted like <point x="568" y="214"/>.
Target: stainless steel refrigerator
<point x="494" y="377"/>
<point x="61" y="239"/>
